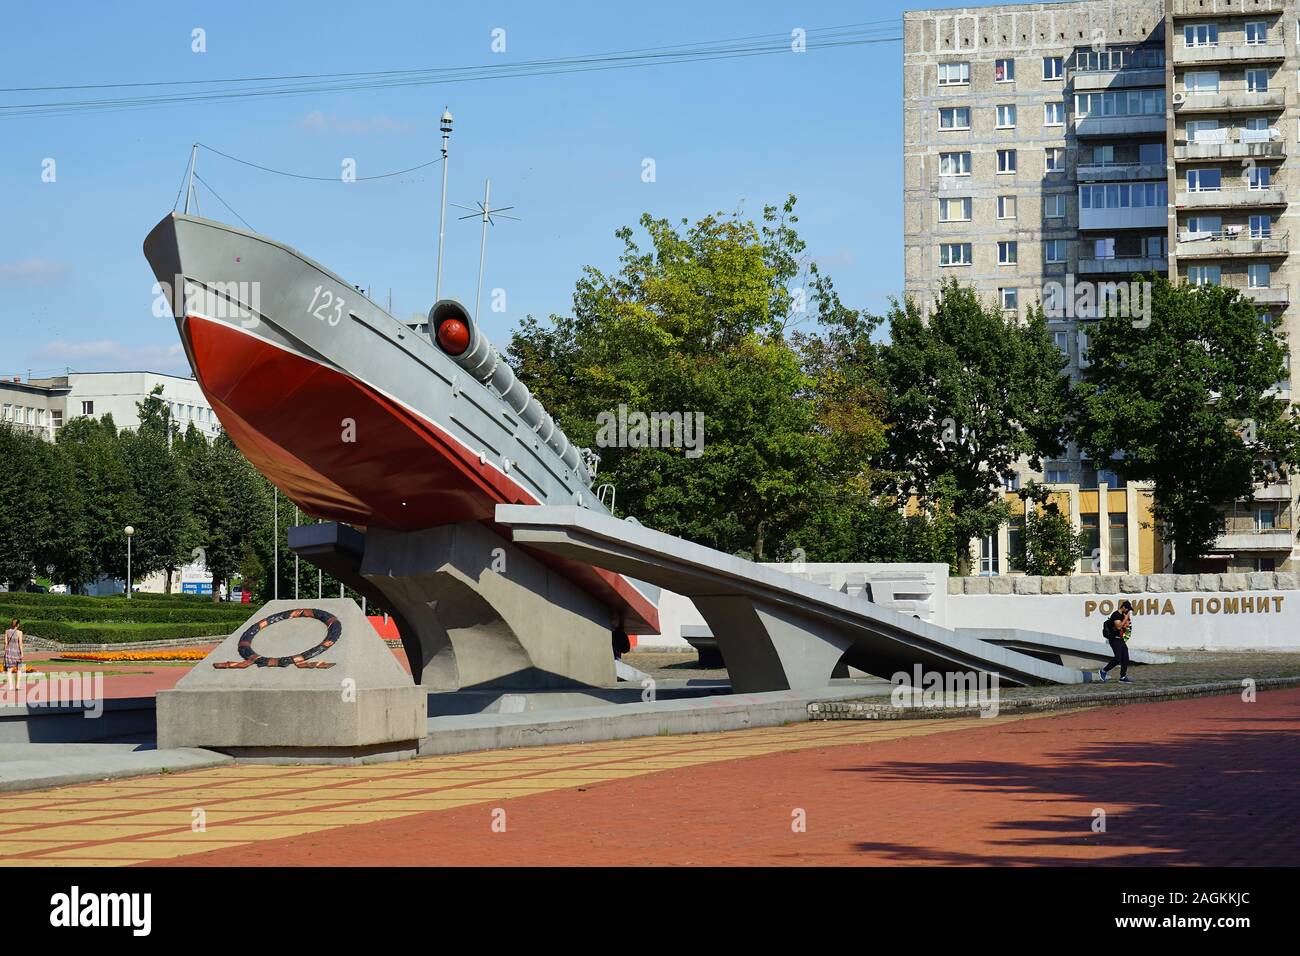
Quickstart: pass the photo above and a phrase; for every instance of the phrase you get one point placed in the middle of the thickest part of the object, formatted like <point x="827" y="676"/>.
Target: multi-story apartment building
<point x="1052" y="145"/>
<point x="43" y="405"/>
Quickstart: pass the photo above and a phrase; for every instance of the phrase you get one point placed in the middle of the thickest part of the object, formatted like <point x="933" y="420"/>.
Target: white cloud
<point x="318" y="122"/>
<point x="33" y="271"/>
<point x="105" y="355"/>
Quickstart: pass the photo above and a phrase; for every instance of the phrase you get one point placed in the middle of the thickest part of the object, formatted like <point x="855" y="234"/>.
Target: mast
<point x="442" y="216"/>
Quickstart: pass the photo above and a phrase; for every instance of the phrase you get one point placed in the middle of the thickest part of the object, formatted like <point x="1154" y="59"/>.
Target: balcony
<point x="1223" y="8"/>
<point x="1118" y="172"/>
<point x="1228" y="53"/>
<point x="1230" y="242"/>
<point x="1117" y="79"/>
<point x="1277" y="539"/>
<point x="1125" y="217"/>
<point x="1273" y="295"/>
<point x="1278" y="492"/>
<point x="1119" y="125"/>
<point x="1232" y="144"/>
<point x="1231" y="198"/>
<point x="1234" y="101"/>
<point x="1122" y="266"/>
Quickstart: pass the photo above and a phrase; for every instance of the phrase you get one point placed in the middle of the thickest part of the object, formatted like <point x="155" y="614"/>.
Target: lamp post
<point x="130" y="532"/>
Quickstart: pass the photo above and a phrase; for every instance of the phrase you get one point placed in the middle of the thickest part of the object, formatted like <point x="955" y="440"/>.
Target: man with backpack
<point x="1116" y="631"/>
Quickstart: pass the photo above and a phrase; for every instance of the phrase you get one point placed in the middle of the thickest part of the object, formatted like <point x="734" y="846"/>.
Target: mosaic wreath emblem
<point x="333" y="631"/>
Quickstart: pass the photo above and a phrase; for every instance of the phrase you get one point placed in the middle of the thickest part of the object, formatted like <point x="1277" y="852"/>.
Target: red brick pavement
<point x="1210" y="781"/>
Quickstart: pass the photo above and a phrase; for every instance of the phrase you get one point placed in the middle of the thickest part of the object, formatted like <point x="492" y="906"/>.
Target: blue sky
<point x="566" y="150"/>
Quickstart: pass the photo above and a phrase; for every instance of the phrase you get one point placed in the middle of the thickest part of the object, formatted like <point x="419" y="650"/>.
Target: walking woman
<point x="14" y="648"/>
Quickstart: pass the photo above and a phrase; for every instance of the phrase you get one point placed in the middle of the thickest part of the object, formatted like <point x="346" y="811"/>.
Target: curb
<point x="861" y="710"/>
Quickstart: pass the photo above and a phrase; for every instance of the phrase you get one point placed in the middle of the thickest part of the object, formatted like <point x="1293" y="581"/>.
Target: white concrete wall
<point x="1189" y="620"/>
<point x="117" y="393"/>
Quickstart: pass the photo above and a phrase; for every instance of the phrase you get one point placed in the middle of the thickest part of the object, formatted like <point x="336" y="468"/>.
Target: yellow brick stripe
<point x="150" y="818"/>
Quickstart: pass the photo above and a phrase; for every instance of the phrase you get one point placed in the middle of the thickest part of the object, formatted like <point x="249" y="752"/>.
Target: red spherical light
<point x="453" y="336"/>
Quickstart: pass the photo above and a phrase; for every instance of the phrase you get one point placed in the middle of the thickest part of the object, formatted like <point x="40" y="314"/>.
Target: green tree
<point x="24" y="505"/>
<point x="1187" y="401"/>
<point x="109" y="500"/>
<point x="161" y="489"/>
<point x="972" y="391"/>
<point x="1049" y="545"/>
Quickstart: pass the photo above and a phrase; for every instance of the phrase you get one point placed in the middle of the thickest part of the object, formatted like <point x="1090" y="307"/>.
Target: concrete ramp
<point x="776" y="631"/>
<point x="1058" y="649"/>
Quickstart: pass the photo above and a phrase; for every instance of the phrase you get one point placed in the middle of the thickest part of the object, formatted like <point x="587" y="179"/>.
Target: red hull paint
<point x="288" y="415"/>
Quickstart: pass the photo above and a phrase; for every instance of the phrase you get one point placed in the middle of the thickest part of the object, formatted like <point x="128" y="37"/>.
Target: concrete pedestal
<point x="307" y="679"/>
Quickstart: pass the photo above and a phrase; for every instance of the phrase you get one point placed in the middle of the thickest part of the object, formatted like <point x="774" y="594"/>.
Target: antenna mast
<point x="484" y="211"/>
<point x="442" y="216"/>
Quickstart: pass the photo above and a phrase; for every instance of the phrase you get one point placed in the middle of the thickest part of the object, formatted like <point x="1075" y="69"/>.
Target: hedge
<point x="66" y="632"/>
<point x="123" y="613"/>
<point x="35" y="599"/>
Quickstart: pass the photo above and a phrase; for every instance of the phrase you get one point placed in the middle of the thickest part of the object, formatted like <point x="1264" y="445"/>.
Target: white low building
<point x="44" y="405"/>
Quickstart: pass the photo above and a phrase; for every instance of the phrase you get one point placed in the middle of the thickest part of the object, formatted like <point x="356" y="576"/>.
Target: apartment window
<point x="954" y="117"/>
<point x="1261" y="227"/>
<point x="1266" y="564"/>
<point x="1204" y="180"/>
<point x="1084" y="346"/>
<point x="1006" y="207"/>
<point x="954" y="74"/>
<point x="1118" y="534"/>
<point x="1055" y="250"/>
<point x="1257" y="81"/>
<point x="1006" y="116"/>
<point x="1120" y="103"/>
<point x="1053" y="114"/>
<point x="1259" y="177"/>
<point x="1204" y="275"/>
<point x="989" y="554"/>
<point x="1090" y="528"/>
<point x="1054" y="159"/>
<point x="87" y="408"/>
<point x="1007" y="252"/>
<point x="1123" y="196"/>
<point x="1062" y="340"/>
<point x="1004" y="71"/>
<point x="1109" y="478"/>
<point x="1057" y="475"/>
<point x="1202" y="83"/>
<point x="955" y="210"/>
<point x="1006" y="161"/>
<point x="954" y="164"/>
<point x="1265" y="519"/>
<point x="1054" y="206"/>
<point x="1205" y="131"/>
<point x="1258" y="275"/>
<point x="1202" y="227"/>
<point x="56" y="419"/>
<point x="1201" y="34"/>
<point x="1103" y="248"/>
<point x="1010" y="299"/>
<point x="1154" y="246"/>
<point x="1053" y="67"/>
<point x="1256" y="32"/>
<point x="1149" y="153"/>
<point x="1101" y="155"/>
<point x="954" y="254"/>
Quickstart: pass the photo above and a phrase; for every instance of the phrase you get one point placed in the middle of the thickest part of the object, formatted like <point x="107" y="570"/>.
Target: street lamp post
<point x="130" y="532"/>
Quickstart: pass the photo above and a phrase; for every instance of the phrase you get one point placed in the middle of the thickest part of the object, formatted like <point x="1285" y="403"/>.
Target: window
<point x="1203" y="83"/>
<point x="1154" y="246"/>
<point x="1007" y="252"/>
<point x="1006" y="161"/>
<point x="1055" y="250"/>
<point x="1054" y="206"/>
<point x="1006" y="207"/>
<point x="955" y="210"/>
<point x="1205" y="131"/>
<point x="1010" y="299"/>
<point x="1151" y="153"/>
<point x="1256" y="32"/>
<point x="1053" y="114"/>
<point x="1053" y="67"/>
<point x="1258" y="177"/>
<point x="1090" y="529"/>
<point x="1016" y="543"/>
<point x="954" y="254"/>
<point x="1265" y="519"/>
<point x="1101" y="155"/>
<point x="1202" y="227"/>
<point x="989" y="555"/>
<point x="1201" y="34"/>
<point x="1057" y="475"/>
<point x="1084" y="346"/>
<point x="1258" y="274"/>
<point x="87" y="408"/>
<point x="1004" y="71"/>
<point x="1266" y="564"/>
<point x="1120" y="103"/>
<point x="1123" y="195"/>
<point x="1062" y="340"/>
<point x="1118" y="534"/>
<point x="1054" y="159"/>
<point x="1110" y="478"/>
<point x="1261" y="227"/>
<point x="954" y="164"/>
<point x="1203" y="275"/>
<point x="954" y="74"/>
<point x="954" y="117"/>
<point x="1103" y="248"/>
<point x="1006" y="116"/>
<point x="1204" y="180"/>
<point x="1257" y="81"/>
